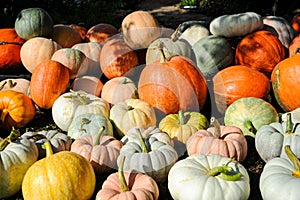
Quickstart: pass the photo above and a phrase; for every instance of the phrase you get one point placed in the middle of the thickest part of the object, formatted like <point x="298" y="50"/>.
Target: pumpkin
<point x="37" y="50"/>
<point x="172" y="84"/>
<point x="227" y="141"/>
<point x="271" y="138"/>
<point x="66" y="36"/>
<point x="283" y="29"/>
<point x="130" y="113"/>
<point x="89" y="124"/>
<point x="34" y="22"/>
<point x="69" y="171"/>
<point x="285" y="82"/>
<point x="100" y="150"/>
<point x="139" y="29"/>
<point x="16" y="109"/>
<point x="235" y="82"/>
<point x="100" y="33"/>
<point x="10" y="47"/>
<point x="210" y="176"/>
<point x="294" y="46"/>
<point x="49" y="80"/>
<point x="117" y="58"/>
<point x="74" y="103"/>
<point x="280" y="174"/>
<point x="210" y="58"/>
<point x="73" y="59"/>
<point x="59" y="141"/>
<point x="128" y="185"/>
<point x="16" y="84"/>
<point x="119" y="89"/>
<point x="89" y="84"/>
<point x="81" y="29"/>
<point x="260" y="50"/>
<point x="149" y="156"/>
<point x="249" y="114"/>
<point x="234" y="25"/>
<point x="295" y="22"/>
<point x="16" y="156"/>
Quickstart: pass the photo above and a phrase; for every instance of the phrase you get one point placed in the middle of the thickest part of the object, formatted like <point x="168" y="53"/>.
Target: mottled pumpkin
<point x="101" y="32"/>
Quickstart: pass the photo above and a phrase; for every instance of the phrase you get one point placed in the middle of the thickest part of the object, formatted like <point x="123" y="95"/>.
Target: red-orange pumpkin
<point x="101" y="32"/>
<point x="295" y="23"/>
<point x="260" y="50"/>
<point x="48" y="81"/>
<point x="294" y="47"/>
<point x="237" y="81"/>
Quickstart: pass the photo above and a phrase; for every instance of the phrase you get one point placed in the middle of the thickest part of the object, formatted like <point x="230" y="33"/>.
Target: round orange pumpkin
<point x="101" y="33"/>
<point x="48" y="81"/>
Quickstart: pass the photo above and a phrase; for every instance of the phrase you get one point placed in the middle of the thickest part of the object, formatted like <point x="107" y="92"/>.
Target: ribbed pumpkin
<point x="101" y="32"/>
<point x="10" y="47"/>
<point x="235" y="82"/>
<point x="294" y="47"/>
<point x="34" y="22"/>
<point x="66" y="36"/>
<point x="285" y="83"/>
<point x="295" y="22"/>
<point x="48" y="81"/>
<point x="140" y="28"/>
<point x="260" y="50"/>
<point x="117" y="58"/>
<point x="36" y="50"/>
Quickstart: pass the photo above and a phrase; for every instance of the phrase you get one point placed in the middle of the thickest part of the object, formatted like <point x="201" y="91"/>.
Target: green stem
<point x="99" y="135"/>
<point x="289" y="123"/>
<point x="123" y="185"/>
<point x="82" y="99"/>
<point x="293" y="158"/>
<point x="163" y="57"/>
<point x="2" y="85"/>
<point x="225" y="172"/>
<point x="11" y="84"/>
<point x="142" y="141"/>
<point x="217" y="126"/>
<point x="249" y="126"/>
<point x="124" y="80"/>
<point x="48" y="148"/>
<point x="83" y="121"/>
<point x="181" y="117"/>
<point x="13" y="135"/>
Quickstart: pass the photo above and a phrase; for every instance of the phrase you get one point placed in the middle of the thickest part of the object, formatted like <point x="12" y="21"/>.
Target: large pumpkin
<point x="100" y="33"/>
<point x="235" y="82"/>
<point x="48" y="81"/>
<point x="260" y="50"/>
<point x="294" y="46"/>
<point x="285" y="83"/>
<point x="66" y="36"/>
<point x="89" y="84"/>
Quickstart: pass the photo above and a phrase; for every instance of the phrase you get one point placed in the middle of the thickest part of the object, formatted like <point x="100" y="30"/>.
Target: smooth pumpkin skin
<point x="295" y="23"/>
<point x="188" y="179"/>
<point x="260" y="50"/>
<point x="16" y="84"/>
<point x="89" y="84"/>
<point x="294" y="47"/>
<point x="285" y="82"/>
<point x="250" y="110"/>
<point x="66" y="36"/>
<point x="100" y="33"/>
<point x="81" y="30"/>
<point x="16" y="109"/>
<point x="235" y="82"/>
<point x="72" y="177"/>
<point x="49" y="80"/>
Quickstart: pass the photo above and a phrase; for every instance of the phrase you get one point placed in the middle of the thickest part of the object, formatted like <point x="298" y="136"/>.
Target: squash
<point x="280" y="174"/>
<point x="16" y="109"/>
<point x="74" y="103"/>
<point x="235" y="82"/>
<point x="260" y="50"/>
<point x="149" y="156"/>
<point x="34" y="22"/>
<point x="16" y="156"/>
<point x="16" y="84"/>
<point x="89" y="84"/>
<point x="49" y="80"/>
<point x="101" y="32"/>
<point x="69" y="171"/>
<point x="66" y="36"/>
<point x="89" y="124"/>
<point x="249" y="114"/>
<point x="294" y="46"/>
<point x="295" y="22"/>
<point x="37" y="50"/>
<point x="130" y="113"/>
<point x="285" y="82"/>
<point x="139" y="29"/>
<point x="234" y="25"/>
<point x="100" y="150"/>
<point x="81" y="30"/>
<point x="213" y="53"/>
<point x="128" y="185"/>
<point x="59" y="141"/>
<point x="211" y="176"/>
<point x="227" y="141"/>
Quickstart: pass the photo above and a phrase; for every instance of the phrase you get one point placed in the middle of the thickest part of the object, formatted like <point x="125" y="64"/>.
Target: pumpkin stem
<point x="14" y="134"/>
<point x="3" y="115"/>
<point x="82" y="99"/>
<point x="225" y="172"/>
<point x="249" y="126"/>
<point x="142" y="141"/>
<point x="123" y="185"/>
<point x="289" y="123"/>
<point x="99" y="135"/>
<point x="293" y="158"/>
<point x="2" y="85"/>
<point x="181" y="117"/>
<point x="48" y="148"/>
<point x="11" y="84"/>
<point x="83" y="121"/>
<point x="297" y="50"/>
<point x="217" y="126"/>
<point x="124" y="80"/>
<point x="163" y="57"/>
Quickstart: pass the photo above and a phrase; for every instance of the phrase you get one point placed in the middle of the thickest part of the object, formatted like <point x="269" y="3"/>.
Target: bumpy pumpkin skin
<point x="285" y="83"/>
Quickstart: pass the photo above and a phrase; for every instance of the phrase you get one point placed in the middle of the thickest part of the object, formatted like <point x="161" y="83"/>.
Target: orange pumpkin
<point x="66" y="36"/>
<point x="260" y="50"/>
<point x="101" y="32"/>
<point x="48" y="81"/>
<point x="235" y="82"/>
<point x="285" y="83"/>
<point x="294" y="47"/>
<point x="10" y="47"/>
<point x="16" y="109"/>
<point x="81" y="29"/>
<point x="295" y="22"/>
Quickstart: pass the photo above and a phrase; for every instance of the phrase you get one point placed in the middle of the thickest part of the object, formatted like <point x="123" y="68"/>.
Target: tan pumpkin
<point x="16" y="84"/>
<point x="36" y="50"/>
<point x="101" y="32"/>
<point x="89" y="84"/>
<point x="66" y="36"/>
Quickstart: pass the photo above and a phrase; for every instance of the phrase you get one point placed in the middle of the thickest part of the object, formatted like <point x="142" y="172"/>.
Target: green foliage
<point x="189" y="3"/>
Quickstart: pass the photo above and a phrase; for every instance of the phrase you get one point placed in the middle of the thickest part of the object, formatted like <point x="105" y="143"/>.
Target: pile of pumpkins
<point x="143" y="106"/>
